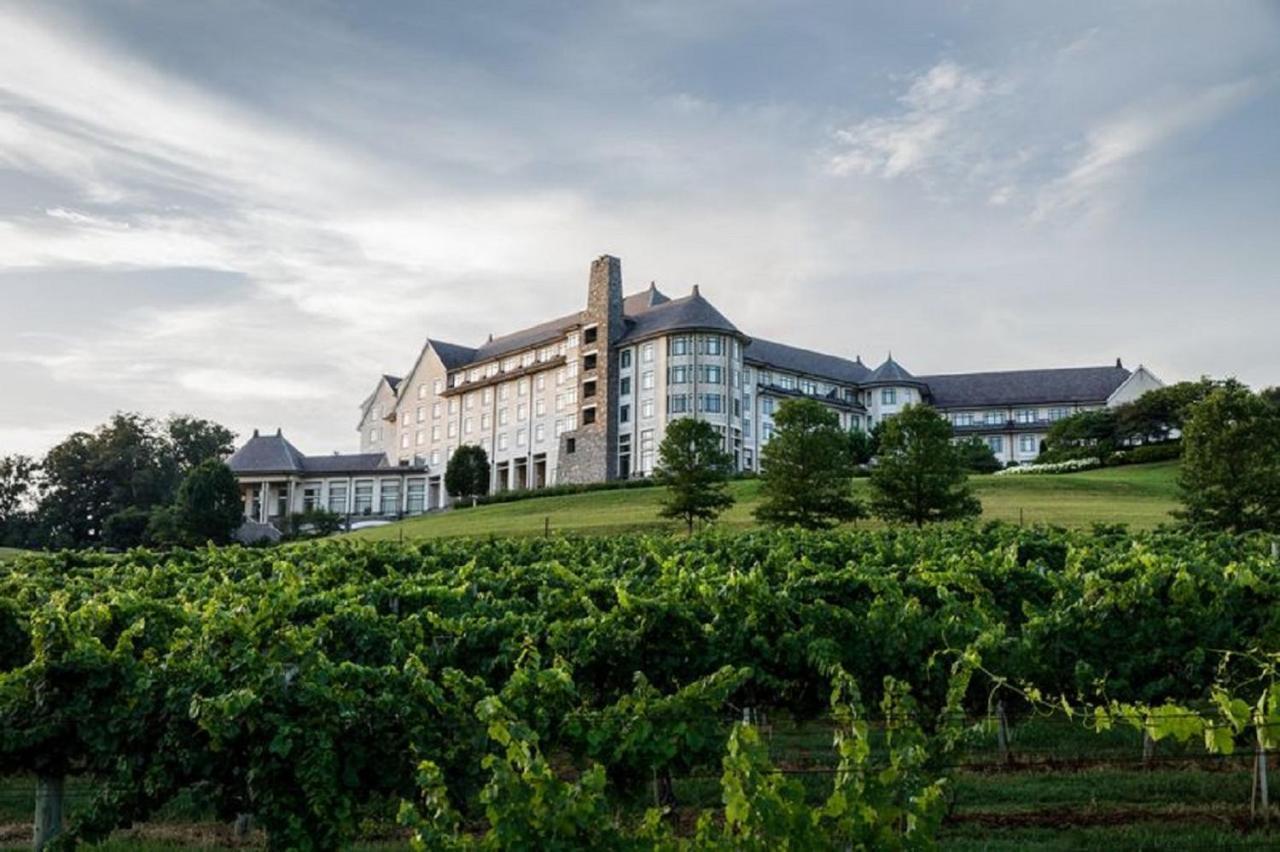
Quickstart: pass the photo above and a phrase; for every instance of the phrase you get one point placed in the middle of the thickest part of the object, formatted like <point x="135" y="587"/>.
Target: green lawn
<point x="1139" y="495"/>
<point x="8" y="553"/>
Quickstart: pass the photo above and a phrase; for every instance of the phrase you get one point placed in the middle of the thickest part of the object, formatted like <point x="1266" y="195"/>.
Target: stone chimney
<point x="604" y="297"/>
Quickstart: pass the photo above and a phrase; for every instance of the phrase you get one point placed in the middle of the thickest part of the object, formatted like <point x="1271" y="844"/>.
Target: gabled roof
<point x="392" y="381"/>
<point x="638" y="303"/>
<point x="1025" y="387"/>
<point x="891" y="373"/>
<point x="451" y="354"/>
<point x="796" y="360"/>
<point x="266" y="454"/>
<point x="688" y="313"/>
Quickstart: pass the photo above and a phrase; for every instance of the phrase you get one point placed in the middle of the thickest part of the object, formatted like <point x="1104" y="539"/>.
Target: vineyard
<point x="874" y="689"/>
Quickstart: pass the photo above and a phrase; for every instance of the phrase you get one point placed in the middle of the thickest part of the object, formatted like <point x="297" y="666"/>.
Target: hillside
<point x="1140" y="495"/>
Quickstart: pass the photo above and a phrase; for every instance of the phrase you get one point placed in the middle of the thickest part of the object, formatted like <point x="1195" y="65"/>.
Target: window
<point x="713" y="375"/>
<point x="470" y="401"/>
<point x="522" y="412"/>
<point x="712" y="403"/>
<point x="1027" y="444"/>
<point x="540" y="433"/>
<point x="787" y="382"/>
<point x="453" y="405"/>
<point x="963" y="419"/>
<point x="522" y="437"/>
<point x="389" y="499"/>
<point x="646" y="450"/>
<point x="541" y="382"/>
<point x="1058" y="413"/>
<point x="588" y="389"/>
<point x="589" y="362"/>
<point x="527" y="359"/>
<point x="766" y="432"/>
<point x="646" y="409"/>
<point x="624" y="359"/>
<point x="364" y="497"/>
<point x="420" y="438"/>
<point x="766" y="405"/>
<point x="589" y="335"/>
<point x="570" y="446"/>
<point x="588" y="416"/>
<point x="422" y="413"/>
<point x="502" y="441"/>
<point x="678" y="404"/>
<point x="502" y="416"/>
<point x="404" y="441"/>
<point x="746" y="428"/>
<point x="373" y="435"/>
<point x="992" y="418"/>
<point x="503" y="391"/>
<point x="646" y="380"/>
<point x="624" y="456"/>
<point x="571" y="340"/>
<point x="1026" y="415"/>
<point x="624" y="386"/>
<point x="624" y="414"/>
<point x="713" y="345"/>
<point x="435" y="457"/>
<point x="678" y="375"/>
<point x="435" y="410"/>
<point x="486" y="420"/>
<point x="561" y="375"/>
<point x="996" y="443"/>
<point x="646" y="353"/>
<point x="888" y="396"/>
<point x="453" y="429"/>
<point x="338" y="497"/>
<point x="416" y="495"/>
<point x="522" y="387"/>
<point x="422" y="391"/>
<point x="679" y="346"/>
<point x="466" y="425"/>
<point x="808" y="387"/>
<point x="540" y="407"/>
<point x="572" y="370"/>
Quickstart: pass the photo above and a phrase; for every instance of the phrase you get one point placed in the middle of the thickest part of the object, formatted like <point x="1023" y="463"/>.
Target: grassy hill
<point x="1139" y="495"/>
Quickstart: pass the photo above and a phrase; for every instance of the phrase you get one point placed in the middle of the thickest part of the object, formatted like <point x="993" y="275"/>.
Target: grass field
<point x="1139" y="495"/>
<point x="8" y="553"/>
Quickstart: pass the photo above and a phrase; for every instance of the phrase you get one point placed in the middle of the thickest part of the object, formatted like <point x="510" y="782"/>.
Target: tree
<point x="863" y="445"/>
<point x="468" y="472"/>
<point x="1083" y="434"/>
<point x="920" y="476"/>
<point x="19" y="486"/>
<point x="1230" y="478"/>
<point x="209" y="507"/>
<point x="694" y="467"/>
<point x="194" y="440"/>
<point x="1155" y="415"/>
<point x="977" y="456"/>
<point x="807" y="469"/>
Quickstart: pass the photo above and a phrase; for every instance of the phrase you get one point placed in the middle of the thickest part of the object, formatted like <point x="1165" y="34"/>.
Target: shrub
<point x="1068" y="466"/>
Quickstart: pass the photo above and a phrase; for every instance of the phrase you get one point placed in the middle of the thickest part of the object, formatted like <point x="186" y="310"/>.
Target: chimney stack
<point x="604" y="296"/>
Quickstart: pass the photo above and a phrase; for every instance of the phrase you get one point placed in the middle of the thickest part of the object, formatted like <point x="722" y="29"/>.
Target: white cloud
<point x="231" y="384"/>
<point x="934" y="106"/>
<point x="1111" y="147"/>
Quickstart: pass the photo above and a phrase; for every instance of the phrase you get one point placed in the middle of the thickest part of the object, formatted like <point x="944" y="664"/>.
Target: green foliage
<point x="1230" y="476"/>
<point x="919" y="476"/>
<point x="864" y="445"/>
<point x="317" y="685"/>
<point x="977" y="456"/>
<point x="315" y="523"/>
<point x="209" y="507"/>
<point x="126" y="528"/>
<point x="694" y="467"/>
<point x="807" y="469"/>
<point x="467" y="475"/>
<point x="130" y="462"/>
<point x="1150" y="419"/>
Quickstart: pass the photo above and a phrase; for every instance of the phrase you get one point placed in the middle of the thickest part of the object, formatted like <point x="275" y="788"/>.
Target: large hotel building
<point x="587" y="397"/>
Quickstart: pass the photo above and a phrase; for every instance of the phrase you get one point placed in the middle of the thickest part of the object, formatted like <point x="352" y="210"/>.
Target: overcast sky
<point x="249" y="211"/>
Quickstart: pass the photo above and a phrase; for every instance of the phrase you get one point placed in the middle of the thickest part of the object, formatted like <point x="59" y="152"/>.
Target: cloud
<point x="231" y="384"/>
<point x="933" y="109"/>
<point x="1111" y="147"/>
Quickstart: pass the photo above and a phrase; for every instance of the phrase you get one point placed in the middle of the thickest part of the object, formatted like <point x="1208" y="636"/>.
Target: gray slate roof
<point x="393" y="381"/>
<point x="1025" y="387"/>
<point x="891" y="373"/>
<point x="689" y="313"/>
<point x="796" y="360"/>
<point x="452" y="354"/>
<point x="263" y="454"/>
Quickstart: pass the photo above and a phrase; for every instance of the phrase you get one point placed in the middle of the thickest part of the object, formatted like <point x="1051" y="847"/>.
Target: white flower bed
<point x="1068" y="466"/>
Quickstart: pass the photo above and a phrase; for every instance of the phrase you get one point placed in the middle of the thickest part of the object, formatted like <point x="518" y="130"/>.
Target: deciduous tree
<point x="467" y="475"/>
<point x="919" y="476"/>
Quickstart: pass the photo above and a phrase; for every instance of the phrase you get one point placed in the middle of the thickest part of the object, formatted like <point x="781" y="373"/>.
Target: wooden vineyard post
<point x="1002" y="732"/>
<point x="1259" y="792"/>
<point x="546" y="527"/>
<point x="48" y="821"/>
<point x="1148" y="747"/>
<point x="243" y="825"/>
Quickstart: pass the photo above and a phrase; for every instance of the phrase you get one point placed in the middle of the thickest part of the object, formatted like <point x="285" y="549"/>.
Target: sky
<point x="249" y="211"/>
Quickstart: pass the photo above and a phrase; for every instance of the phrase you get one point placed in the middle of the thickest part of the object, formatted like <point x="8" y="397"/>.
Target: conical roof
<point x="891" y="373"/>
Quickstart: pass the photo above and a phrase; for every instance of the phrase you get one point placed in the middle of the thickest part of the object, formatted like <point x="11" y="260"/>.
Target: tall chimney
<point x="604" y="296"/>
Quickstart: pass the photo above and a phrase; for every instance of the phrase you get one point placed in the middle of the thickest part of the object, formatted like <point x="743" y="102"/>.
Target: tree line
<point x="133" y="480"/>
